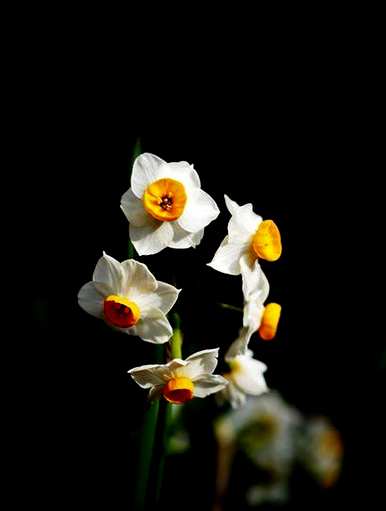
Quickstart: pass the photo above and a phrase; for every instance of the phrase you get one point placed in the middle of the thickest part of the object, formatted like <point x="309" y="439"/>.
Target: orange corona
<point x="178" y="390"/>
<point x="121" y="312"/>
<point x="165" y="199"/>
<point x="270" y="321"/>
<point x="266" y="243"/>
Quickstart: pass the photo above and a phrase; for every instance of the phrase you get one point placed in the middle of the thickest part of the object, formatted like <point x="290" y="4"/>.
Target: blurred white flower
<point x="321" y="450"/>
<point x="249" y="237"/>
<point x="165" y="205"/>
<point x="180" y="380"/>
<point x="129" y="298"/>
<point x="264" y="429"/>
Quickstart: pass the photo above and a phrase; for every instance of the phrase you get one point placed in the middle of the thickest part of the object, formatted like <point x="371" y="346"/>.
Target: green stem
<point x="163" y="426"/>
<point x="230" y="307"/>
<point x="177" y="338"/>
<point x="145" y="447"/>
<point x="146" y="444"/>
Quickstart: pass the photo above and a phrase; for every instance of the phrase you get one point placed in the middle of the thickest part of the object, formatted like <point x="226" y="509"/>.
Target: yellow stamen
<point x="178" y="390"/>
<point x="165" y="199"/>
<point x="270" y="321"/>
<point x="121" y="312"/>
<point x="266" y="243"/>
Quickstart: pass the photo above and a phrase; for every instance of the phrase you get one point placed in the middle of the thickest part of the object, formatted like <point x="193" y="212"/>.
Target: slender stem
<point x="163" y="426"/>
<point x="145" y="446"/>
<point x="177" y="338"/>
<point x="164" y="419"/>
<point x="230" y="307"/>
<point x="145" y="452"/>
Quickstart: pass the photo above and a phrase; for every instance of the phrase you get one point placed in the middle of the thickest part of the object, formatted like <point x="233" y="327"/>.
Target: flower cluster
<point x="166" y="207"/>
<point x="249" y="239"/>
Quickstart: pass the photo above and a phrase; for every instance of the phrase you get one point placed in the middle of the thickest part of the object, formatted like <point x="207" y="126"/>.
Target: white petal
<point x="145" y="171"/>
<point x="253" y="278"/>
<point x="108" y="271"/>
<point x="249" y="377"/>
<point x="209" y="384"/>
<point x="154" y="327"/>
<point x="149" y="375"/>
<point x="240" y="345"/>
<point x="163" y="298"/>
<point x="197" y="237"/>
<point x="137" y="279"/>
<point x="184" y="239"/>
<point x="91" y="300"/>
<point x="231" y="205"/>
<point x="202" y="362"/>
<point x="235" y="396"/>
<point x="200" y="210"/>
<point x="253" y="313"/>
<point x="227" y="257"/>
<point x="152" y="237"/>
<point x="180" y="171"/>
<point x="243" y="224"/>
<point x="133" y="209"/>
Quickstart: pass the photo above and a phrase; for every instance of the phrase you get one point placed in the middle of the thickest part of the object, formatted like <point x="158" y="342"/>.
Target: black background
<point x="293" y="150"/>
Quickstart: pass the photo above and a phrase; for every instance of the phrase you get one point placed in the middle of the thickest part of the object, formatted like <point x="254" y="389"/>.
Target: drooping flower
<point x="165" y="205"/>
<point x="258" y="317"/>
<point x="249" y="236"/>
<point x="129" y="298"/>
<point x="246" y="377"/>
<point x="179" y="380"/>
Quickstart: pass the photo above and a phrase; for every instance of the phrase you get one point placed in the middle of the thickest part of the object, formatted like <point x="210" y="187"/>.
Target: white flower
<point x="246" y="375"/>
<point x="258" y="317"/>
<point x="165" y="205"/>
<point x="181" y="380"/>
<point x="265" y="429"/>
<point x="249" y="236"/>
<point x="128" y="297"/>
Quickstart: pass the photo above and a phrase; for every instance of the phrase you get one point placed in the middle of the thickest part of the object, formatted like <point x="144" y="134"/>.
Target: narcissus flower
<point x="165" y="205"/>
<point x="181" y="380"/>
<point x="129" y="298"/>
<point x="246" y="377"/>
<point x="257" y="316"/>
<point x="248" y="235"/>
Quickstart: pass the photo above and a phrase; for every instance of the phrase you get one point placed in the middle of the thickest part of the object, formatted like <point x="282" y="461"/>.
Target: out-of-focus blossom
<point x="263" y="429"/>
<point x="321" y="450"/>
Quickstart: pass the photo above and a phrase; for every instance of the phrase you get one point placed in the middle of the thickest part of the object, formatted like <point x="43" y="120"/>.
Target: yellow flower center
<point x="121" y="312"/>
<point x="165" y="199"/>
<point x="270" y="321"/>
<point x="178" y="390"/>
<point x="266" y="243"/>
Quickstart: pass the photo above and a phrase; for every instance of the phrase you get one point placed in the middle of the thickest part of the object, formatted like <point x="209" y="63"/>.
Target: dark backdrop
<point x="285" y="156"/>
